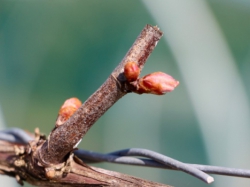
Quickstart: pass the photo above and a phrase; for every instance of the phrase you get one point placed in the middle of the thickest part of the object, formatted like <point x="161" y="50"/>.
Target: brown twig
<point x="63" y="139"/>
<point x="51" y="162"/>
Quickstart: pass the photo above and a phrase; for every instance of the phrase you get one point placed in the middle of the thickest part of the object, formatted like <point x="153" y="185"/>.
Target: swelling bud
<point x="67" y="110"/>
<point x="157" y="83"/>
<point x="131" y="71"/>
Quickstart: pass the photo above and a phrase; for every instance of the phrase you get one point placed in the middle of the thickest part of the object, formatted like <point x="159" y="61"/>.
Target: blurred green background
<point x="54" y="50"/>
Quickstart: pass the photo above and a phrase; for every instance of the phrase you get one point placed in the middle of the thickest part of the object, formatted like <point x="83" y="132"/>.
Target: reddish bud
<point x="157" y="83"/>
<point x="67" y="110"/>
<point x="131" y="71"/>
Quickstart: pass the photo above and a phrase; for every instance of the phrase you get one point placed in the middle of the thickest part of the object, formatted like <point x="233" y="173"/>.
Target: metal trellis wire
<point x="138" y="157"/>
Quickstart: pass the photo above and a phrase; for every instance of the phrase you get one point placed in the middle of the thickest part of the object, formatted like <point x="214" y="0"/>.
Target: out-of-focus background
<point x="53" y="50"/>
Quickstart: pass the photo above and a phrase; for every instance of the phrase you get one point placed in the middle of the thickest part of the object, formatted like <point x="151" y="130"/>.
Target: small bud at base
<point x="67" y="110"/>
<point x="75" y="102"/>
<point x="131" y="71"/>
<point x="157" y="83"/>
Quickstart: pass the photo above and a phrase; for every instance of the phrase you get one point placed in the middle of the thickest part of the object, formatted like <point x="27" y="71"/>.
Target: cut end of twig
<point x="210" y="180"/>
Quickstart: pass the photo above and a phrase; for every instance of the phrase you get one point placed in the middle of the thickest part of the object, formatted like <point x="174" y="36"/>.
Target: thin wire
<point x="166" y="161"/>
<point x="157" y="160"/>
<point x="94" y="157"/>
<point x="15" y="135"/>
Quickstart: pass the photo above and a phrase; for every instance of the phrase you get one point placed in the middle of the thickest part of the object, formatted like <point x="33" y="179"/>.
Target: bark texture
<point x="51" y="162"/>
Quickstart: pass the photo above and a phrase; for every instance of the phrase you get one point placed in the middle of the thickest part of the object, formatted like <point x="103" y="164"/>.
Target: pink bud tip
<point x="67" y="110"/>
<point x="74" y="102"/>
<point x="131" y="71"/>
<point x="157" y="83"/>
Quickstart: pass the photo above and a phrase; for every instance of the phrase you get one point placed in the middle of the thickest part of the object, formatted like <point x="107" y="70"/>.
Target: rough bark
<point x="50" y="162"/>
<point x="64" y="138"/>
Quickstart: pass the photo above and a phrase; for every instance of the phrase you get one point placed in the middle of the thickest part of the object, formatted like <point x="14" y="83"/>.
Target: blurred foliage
<point x="53" y="50"/>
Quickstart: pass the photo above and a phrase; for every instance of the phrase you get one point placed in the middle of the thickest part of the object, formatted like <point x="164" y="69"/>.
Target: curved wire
<point x="175" y="164"/>
<point x="152" y="159"/>
<point x="94" y="157"/>
<point x="15" y="135"/>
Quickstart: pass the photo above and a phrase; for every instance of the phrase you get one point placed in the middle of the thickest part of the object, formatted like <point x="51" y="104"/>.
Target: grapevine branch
<point x="51" y="162"/>
<point x="63" y="139"/>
